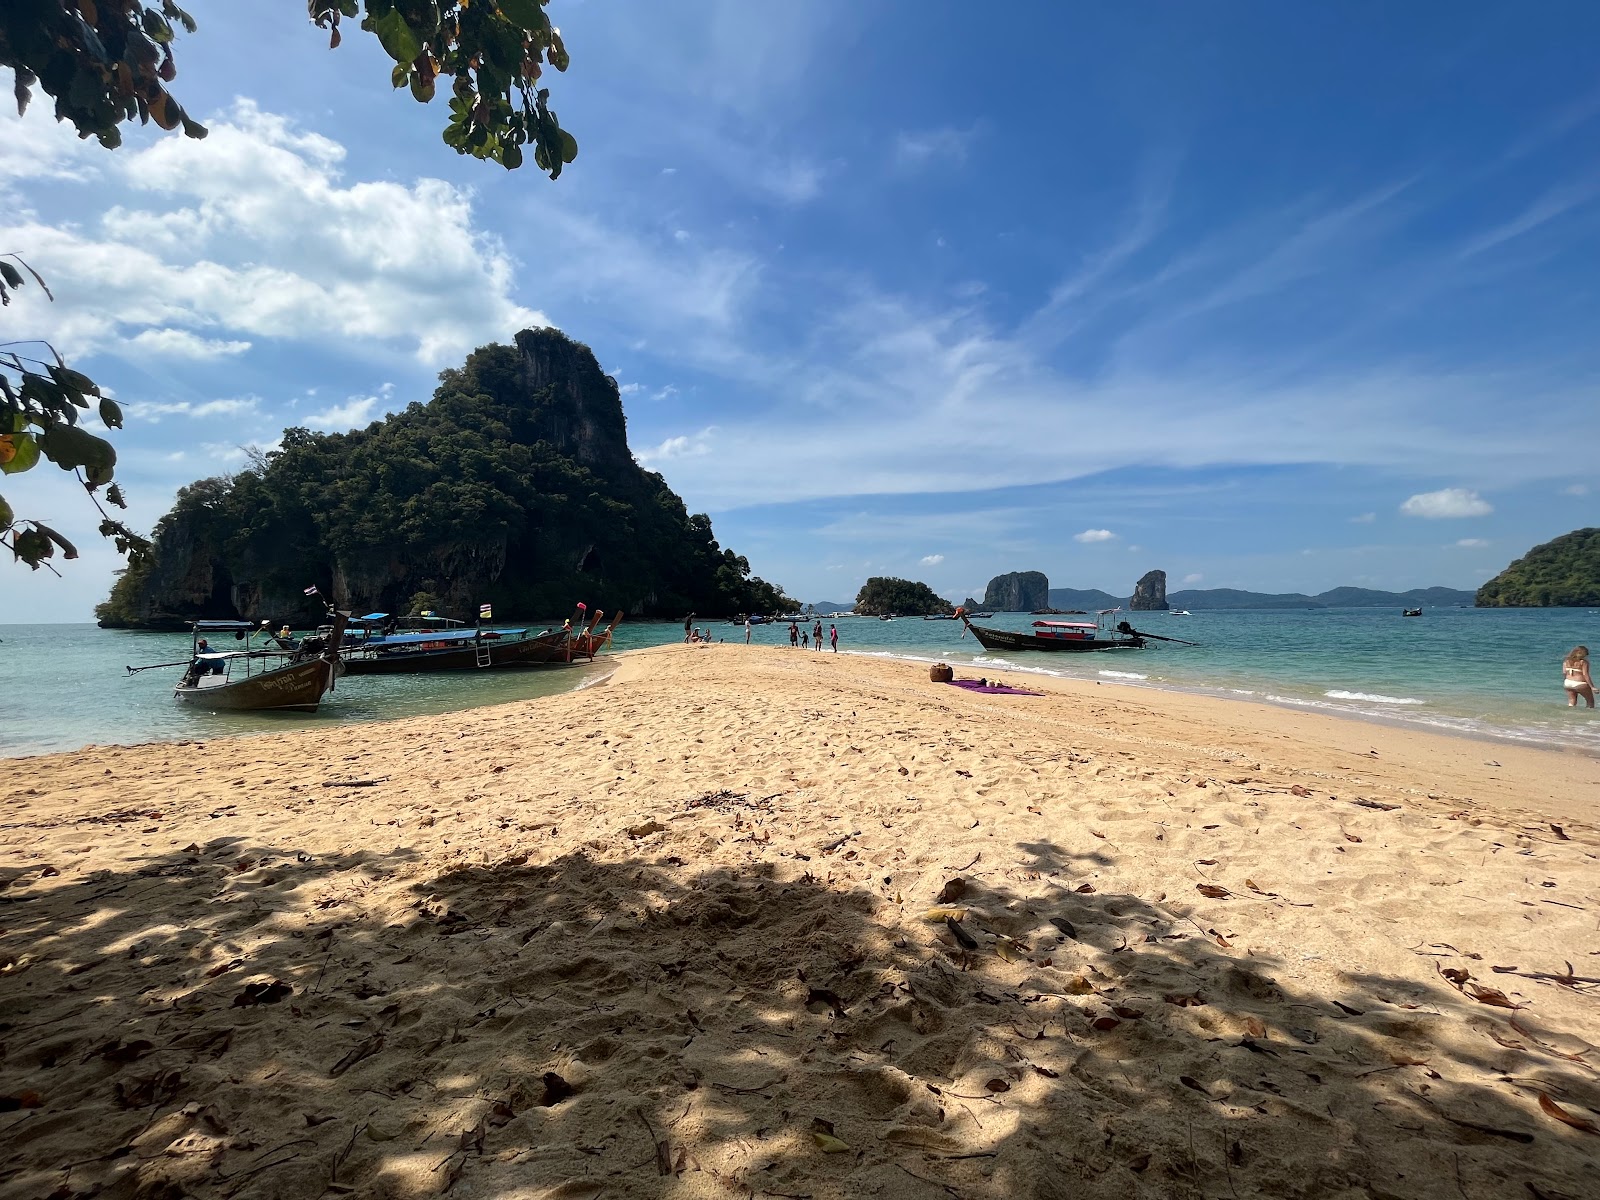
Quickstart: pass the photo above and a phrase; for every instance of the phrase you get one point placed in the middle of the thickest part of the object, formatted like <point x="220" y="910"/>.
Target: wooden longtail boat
<point x="230" y="679"/>
<point x="455" y="650"/>
<point x="589" y="643"/>
<point x="1071" y="636"/>
<point x="476" y="649"/>
<point x="1080" y="636"/>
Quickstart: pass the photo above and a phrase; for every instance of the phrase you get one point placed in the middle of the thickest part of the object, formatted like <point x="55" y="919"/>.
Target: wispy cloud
<point x="1094" y="535"/>
<point x="1472" y="543"/>
<point x="927" y="146"/>
<point x="932" y="560"/>
<point x="153" y="410"/>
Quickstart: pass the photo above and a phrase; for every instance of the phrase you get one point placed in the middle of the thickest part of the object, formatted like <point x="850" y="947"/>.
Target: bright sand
<point x="697" y="896"/>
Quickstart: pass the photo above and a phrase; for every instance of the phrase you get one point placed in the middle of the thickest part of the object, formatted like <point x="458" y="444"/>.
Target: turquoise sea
<point x="1484" y="672"/>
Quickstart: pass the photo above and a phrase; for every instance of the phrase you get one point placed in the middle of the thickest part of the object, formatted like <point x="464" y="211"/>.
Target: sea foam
<point x="1123" y="675"/>
<point x="1372" y="697"/>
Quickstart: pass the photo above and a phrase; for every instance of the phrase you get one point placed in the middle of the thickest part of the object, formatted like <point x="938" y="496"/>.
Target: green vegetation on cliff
<point x="881" y="595"/>
<point x="1563" y="573"/>
<point x="513" y="485"/>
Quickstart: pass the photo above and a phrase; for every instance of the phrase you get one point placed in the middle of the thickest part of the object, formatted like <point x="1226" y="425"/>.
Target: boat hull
<point x="1003" y="639"/>
<point x="296" y="688"/>
<point x="542" y="650"/>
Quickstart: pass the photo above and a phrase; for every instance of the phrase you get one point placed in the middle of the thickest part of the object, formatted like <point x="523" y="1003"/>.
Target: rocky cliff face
<point x="1150" y="593"/>
<point x="513" y="485"/>
<point x="1020" y="591"/>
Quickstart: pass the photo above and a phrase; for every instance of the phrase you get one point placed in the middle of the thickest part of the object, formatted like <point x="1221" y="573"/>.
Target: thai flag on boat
<point x="485" y="612"/>
<point x="312" y="590"/>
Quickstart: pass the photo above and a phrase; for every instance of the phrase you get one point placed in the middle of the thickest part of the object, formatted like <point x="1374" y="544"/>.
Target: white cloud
<point x="355" y="412"/>
<point x="1577" y="489"/>
<point x="1366" y="518"/>
<point x="181" y="343"/>
<point x="690" y="446"/>
<point x="1472" y="543"/>
<point x="1134" y="549"/>
<point x="1094" y="535"/>
<point x="152" y="411"/>
<point x="255" y="234"/>
<point x="627" y="389"/>
<point x="352" y="414"/>
<point x="921" y="148"/>
<point x="932" y="560"/>
<point x="1196" y="577"/>
<point x="1447" y="503"/>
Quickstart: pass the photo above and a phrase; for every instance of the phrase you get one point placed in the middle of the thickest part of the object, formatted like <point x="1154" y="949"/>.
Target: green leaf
<point x="510" y="155"/>
<point x="24" y="453"/>
<point x="10" y="274"/>
<point x="421" y="86"/>
<point x="526" y="13"/>
<point x="6" y="515"/>
<point x="400" y="74"/>
<point x="31" y="546"/>
<point x="397" y="38"/>
<point x="110" y="414"/>
<point x="569" y="146"/>
<point x="70" y="448"/>
<point x="68" y="550"/>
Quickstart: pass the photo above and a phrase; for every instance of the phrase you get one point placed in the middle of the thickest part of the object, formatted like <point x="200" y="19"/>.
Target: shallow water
<point x="1484" y="672"/>
<point x="67" y="686"/>
<point x="1479" y="671"/>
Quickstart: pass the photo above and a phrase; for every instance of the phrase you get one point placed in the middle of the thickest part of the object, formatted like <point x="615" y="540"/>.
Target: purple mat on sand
<point x="999" y="689"/>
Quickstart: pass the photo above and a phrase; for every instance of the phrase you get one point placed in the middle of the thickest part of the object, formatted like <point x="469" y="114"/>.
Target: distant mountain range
<point x="1214" y="598"/>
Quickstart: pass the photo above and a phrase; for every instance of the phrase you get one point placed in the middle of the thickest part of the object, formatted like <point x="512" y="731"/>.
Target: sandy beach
<point x="747" y="921"/>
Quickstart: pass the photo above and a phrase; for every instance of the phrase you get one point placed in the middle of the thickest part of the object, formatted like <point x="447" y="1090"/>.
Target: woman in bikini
<point x="1576" y="679"/>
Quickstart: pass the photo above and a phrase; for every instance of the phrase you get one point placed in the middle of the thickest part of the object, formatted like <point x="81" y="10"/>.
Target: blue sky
<point x="1266" y="296"/>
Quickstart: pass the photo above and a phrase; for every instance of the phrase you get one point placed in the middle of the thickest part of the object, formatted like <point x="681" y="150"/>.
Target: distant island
<point x="514" y="485"/>
<point x="1018" y="591"/>
<point x="1230" y="598"/>
<point x="1561" y="573"/>
<point x="882" y="596"/>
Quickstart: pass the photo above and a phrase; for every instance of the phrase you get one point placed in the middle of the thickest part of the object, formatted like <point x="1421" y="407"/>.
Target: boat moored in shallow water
<point x="260" y="680"/>
<point x="1070" y="636"/>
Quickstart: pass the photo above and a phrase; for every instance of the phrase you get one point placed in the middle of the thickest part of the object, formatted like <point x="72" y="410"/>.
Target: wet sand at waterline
<point x="685" y="934"/>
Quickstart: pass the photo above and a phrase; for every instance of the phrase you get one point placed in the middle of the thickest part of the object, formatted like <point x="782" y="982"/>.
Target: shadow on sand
<point x="236" y="1021"/>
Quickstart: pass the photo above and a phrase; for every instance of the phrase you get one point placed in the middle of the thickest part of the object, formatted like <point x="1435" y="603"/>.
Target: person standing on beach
<point x="747" y="630"/>
<point x="794" y="635"/>
<point x="833" y="637"/>
<point x="1576" y="680"/>
<point x="688" y="626"/>
<point x="816" y="634"/>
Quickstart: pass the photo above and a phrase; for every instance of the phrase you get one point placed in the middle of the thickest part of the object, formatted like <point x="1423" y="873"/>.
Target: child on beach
<point x="833" y="637"/>
<point x="1576" y="680"/>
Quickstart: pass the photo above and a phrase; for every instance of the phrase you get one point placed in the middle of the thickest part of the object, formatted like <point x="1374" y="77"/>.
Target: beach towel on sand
<point x="999" y="689"/>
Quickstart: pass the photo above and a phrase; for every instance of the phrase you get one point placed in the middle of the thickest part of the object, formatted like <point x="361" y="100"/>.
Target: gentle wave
<point x="1123" y="675"/>
<point x="1372" y="697"/>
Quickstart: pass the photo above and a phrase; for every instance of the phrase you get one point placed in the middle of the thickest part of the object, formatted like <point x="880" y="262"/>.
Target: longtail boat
<point x="588" y="643"/>
<point x="260" y="680"/>
<point x="439" y="650"/>
<point x="1070" y="636"/>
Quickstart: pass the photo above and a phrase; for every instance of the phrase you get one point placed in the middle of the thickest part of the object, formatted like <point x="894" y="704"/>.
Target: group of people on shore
<point x="802" y="638"/>
<point x="798" y="637"/>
